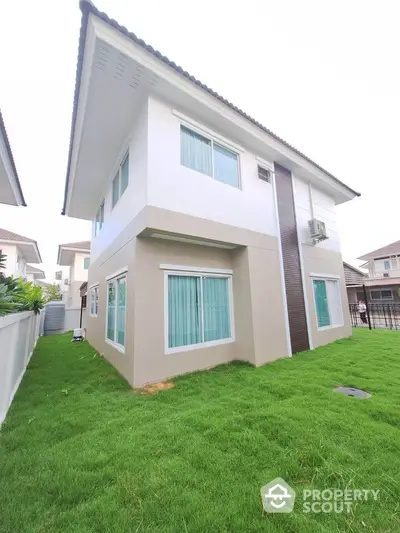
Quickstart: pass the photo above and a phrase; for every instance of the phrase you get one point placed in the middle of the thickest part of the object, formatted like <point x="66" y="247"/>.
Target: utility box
<point x="54" y="317"/>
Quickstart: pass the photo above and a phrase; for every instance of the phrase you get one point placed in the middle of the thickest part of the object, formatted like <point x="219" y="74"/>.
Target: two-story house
<point x="213" y="239"/>
<point x="383" y="267"/>
<point x="19" y="251"/>
<point x="10" y="188"/>
<point x="74" y="258"/>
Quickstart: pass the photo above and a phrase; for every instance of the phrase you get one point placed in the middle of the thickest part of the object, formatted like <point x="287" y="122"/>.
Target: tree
<point x="53" y="292"/>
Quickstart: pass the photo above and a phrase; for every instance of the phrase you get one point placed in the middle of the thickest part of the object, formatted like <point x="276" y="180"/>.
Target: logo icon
<point x="277" y="496"/>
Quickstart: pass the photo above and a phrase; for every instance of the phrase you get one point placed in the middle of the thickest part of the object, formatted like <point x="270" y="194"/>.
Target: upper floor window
<point x="208" y="157"/>
<point x="99" y="219"/>
<point x="121" y="180"/>
<point x="382" y="294"/>
<point x="86" y="263"/>
<point x="386" y="264"/>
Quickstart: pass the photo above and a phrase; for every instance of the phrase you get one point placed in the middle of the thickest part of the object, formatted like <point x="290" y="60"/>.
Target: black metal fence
<point x="385" y="315"/>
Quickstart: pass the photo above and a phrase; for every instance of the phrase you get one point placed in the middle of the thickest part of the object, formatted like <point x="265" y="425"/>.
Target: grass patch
<point x="80" y="453"/>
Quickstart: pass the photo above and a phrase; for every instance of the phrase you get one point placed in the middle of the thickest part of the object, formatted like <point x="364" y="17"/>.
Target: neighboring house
<point x="19" y="251"/>
<point x="34" y="274"/>
<point x="76" y="256"/>
<point x="62" y="280"/>
<point x="354" y="278"/>
<point x="10" y="188"/>
<point x="43" y="284"/>
<point x="383" y="267"/>
<point x="213" y="239"/>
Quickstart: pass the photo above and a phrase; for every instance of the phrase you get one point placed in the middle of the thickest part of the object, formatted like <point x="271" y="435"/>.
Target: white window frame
<point x="381" y="299"/>
<point x="390" y="264"/>
<point x="84" y="261"/>
<point x="114" y="343"/>
<point x="99" y="221"/>
<point x="92" y="296"/>
<point x="118" y="173"/>
<point x="327" y="277"/>
<point x="213" y="140"/>
<point x="199" y="274"/>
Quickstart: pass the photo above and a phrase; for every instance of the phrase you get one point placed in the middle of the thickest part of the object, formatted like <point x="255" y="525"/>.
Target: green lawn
<point x="81" y="452"/>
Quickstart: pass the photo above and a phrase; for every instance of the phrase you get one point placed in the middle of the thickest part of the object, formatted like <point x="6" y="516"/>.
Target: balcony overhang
<point x="29" y="250"/>
<point x="66" y="255"/>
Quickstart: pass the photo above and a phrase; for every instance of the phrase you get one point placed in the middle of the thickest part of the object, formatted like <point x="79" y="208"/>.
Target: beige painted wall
<point x="110" y="262"/>
<point x="257" y="298"/>
<point x="319" y="261"/>
<point x="150" y="362"/>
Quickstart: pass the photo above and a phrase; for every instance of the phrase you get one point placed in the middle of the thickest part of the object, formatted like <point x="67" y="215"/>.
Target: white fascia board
<point x="83" y="96"/>
<point x="62" y="249"/>
<point x="9" y="173"/>
<point x="284" y="155"/>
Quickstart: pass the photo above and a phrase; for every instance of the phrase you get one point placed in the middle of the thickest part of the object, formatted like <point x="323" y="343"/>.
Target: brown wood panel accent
<point x="291" y="260"/>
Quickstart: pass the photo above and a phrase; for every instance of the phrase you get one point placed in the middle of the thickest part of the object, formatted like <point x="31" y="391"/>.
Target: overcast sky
<point x="323" y="75"/>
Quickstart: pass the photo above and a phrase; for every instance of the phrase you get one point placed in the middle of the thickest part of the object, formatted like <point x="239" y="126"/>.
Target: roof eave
<point x="87" y="8"/>
<point x="21" y="200"/>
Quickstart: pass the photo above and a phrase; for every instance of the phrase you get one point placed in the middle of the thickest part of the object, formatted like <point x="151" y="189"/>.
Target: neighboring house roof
<point x="385" y="251"/>
<point x="6" y="235"/>
<point x="28" y="246"/>
<point x="67" y="251"/>
<point x="3" y="132"/>
<point x="352" y="275"/>
<point x="88" y="8"/>
<point x="44" y="284"/>
<point x="82" y="245"/>
<point x="37" y="273"/>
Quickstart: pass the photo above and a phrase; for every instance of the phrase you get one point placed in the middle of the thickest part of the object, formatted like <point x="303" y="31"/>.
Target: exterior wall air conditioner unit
<point x="317" y="230"/>
<point x="66" y="281"/>
<point x="386" y="274"/>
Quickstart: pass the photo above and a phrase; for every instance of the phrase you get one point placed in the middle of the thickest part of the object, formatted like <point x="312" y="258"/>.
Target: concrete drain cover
<point x="357" y="393"/>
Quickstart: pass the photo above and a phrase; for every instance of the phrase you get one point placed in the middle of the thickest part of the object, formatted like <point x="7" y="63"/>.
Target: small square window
<point x="264" y="174"/>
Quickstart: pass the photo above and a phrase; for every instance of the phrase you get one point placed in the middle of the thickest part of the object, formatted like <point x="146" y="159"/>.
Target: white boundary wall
<point x="18" y="336"/>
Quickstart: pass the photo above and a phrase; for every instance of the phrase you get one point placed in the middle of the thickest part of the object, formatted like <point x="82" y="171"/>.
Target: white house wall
<point x="178" y="188"/>
<point x="13" y="268"/>
<point x="324" y="209"/>
<point x="78" y="272"/>
<point x="133" y="199"/>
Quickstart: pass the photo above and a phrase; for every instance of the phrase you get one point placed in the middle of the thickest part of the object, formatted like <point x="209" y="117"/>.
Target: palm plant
<point x="3" y="259"/>
<point x="6" y="301"/>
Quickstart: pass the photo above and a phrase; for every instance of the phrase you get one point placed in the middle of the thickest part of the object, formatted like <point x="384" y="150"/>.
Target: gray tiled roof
<point x="33" y="270"/>
<point x="353" y="275"/>
<point x="82" y="245"/>
<point x="390" y="249"/>
<point x="87" y="8"/>
<point x="6" y="235"/>
<point x="10" y="155"/>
